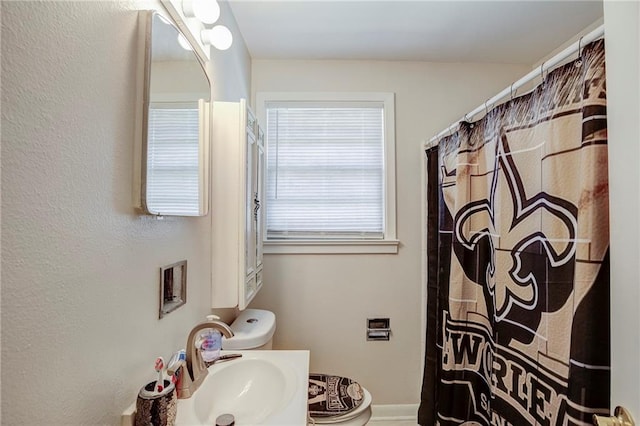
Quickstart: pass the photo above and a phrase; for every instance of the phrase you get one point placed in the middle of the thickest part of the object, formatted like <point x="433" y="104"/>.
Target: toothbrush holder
<point x="156" y="408"/>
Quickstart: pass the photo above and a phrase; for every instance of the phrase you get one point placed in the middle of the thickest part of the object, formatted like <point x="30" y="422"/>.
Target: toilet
<point x="254" y="329"/>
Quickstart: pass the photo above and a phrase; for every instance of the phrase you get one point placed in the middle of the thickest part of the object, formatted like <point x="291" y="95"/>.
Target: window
<point x="172" y="160"/>
<point x="330" y="177"/>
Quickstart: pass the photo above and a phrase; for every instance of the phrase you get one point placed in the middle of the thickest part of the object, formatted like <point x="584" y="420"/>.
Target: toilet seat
<point x="358" y="417"/>
<point x="332" y="396"/>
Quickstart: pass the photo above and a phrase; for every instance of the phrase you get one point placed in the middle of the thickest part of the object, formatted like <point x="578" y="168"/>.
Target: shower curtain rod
<point x="584" y="40"/>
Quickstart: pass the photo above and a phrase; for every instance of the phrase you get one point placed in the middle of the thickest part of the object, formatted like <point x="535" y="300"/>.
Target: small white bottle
<point x="210" y="342"/>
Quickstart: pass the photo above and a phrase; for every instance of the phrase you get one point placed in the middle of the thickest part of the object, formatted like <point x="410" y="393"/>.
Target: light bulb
<point x="182" y="41"/>
<point x="219" y="37"/>
<point x="207" y="11"/>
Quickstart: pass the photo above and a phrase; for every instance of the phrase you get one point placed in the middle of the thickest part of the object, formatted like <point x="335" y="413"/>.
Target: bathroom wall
<point x="622" y="44"/>
<point x="322" y="301"/>
<point x="80" y="268"/>
<point x="230" y="69"/>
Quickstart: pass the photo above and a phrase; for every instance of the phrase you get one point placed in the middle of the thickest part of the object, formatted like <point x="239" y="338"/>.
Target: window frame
<point x="389" y="243"/>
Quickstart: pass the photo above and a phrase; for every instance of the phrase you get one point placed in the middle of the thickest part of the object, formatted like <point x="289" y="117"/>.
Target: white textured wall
<point x="322" y="302"/>
<point x="80" y="269"/>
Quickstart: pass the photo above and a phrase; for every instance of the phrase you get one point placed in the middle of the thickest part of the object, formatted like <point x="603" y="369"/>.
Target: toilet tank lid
<point x="251" y="329"/>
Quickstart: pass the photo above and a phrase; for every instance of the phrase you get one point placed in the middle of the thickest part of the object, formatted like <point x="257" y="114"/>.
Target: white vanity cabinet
<point x="236" y="205"/>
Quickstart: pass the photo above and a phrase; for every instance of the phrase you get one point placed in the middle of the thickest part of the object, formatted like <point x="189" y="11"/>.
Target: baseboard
<point x="394" y="412"/>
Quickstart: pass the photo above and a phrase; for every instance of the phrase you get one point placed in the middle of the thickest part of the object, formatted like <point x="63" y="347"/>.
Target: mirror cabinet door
<point x="175" y="121"/>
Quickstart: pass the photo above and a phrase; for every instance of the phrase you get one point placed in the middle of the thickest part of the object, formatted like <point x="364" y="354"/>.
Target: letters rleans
<point x="496" y="375"/>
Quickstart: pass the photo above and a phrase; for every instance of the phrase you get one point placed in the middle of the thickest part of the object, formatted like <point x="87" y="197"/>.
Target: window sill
<point x="331" y="247"/>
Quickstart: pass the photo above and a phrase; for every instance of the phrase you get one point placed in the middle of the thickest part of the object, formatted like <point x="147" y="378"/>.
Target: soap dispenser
<point x="210" y="342"/>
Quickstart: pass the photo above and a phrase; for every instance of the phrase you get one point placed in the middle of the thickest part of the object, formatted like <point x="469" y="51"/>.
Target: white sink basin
<point x="260" y="388"/>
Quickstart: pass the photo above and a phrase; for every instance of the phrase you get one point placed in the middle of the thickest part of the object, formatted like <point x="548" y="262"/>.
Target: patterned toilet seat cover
<point x="333" y="395"/>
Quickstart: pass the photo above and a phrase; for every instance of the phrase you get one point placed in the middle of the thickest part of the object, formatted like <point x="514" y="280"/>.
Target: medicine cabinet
<point x="173" y="139"/>
<point x="237" y="188"/>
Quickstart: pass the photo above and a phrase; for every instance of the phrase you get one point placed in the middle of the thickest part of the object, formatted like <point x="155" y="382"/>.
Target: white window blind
<point x="172" y="167"/>
<point x="325" y="170"/>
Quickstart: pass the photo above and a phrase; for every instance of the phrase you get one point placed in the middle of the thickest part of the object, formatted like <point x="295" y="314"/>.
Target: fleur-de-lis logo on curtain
<point x="525" y="265"/>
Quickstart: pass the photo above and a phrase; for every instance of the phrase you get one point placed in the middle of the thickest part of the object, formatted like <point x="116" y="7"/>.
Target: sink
<point x="260" y="388"/>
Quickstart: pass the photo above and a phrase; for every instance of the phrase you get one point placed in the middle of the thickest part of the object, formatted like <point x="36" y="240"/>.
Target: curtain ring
<point x="580" y="47"/>
<point x="579" y="59"/>
<point x="471" y="125"/>
<point x="486" y="110"/>
<point x="511" y="91"/>
<point x="542" y="72"/>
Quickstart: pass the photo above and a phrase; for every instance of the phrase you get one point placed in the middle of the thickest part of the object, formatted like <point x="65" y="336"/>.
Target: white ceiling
<point x="442" y="31"/>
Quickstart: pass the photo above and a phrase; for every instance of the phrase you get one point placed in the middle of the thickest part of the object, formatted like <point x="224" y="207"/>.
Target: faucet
<point x="194" y="371"/>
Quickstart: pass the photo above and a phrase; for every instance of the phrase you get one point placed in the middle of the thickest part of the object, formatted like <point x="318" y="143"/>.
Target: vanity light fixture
<point x="219" y="37"/>
<point x="207" y="11"/>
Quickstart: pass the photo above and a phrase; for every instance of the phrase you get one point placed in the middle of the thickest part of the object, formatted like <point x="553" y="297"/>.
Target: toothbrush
<point x="173" y="367"/>
<point x="176" y="361"/>
<point x="159" y="366"/>
<point x="175" y="378"/>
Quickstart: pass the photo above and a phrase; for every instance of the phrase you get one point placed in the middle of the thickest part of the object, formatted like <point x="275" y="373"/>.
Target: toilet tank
<point x="252" y="329"/>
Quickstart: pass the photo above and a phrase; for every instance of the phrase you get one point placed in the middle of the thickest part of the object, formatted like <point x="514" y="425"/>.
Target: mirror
<point x="175" y="93"/>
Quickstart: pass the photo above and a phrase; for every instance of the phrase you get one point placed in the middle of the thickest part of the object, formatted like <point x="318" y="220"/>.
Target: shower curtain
<point x="518" y="266"/>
